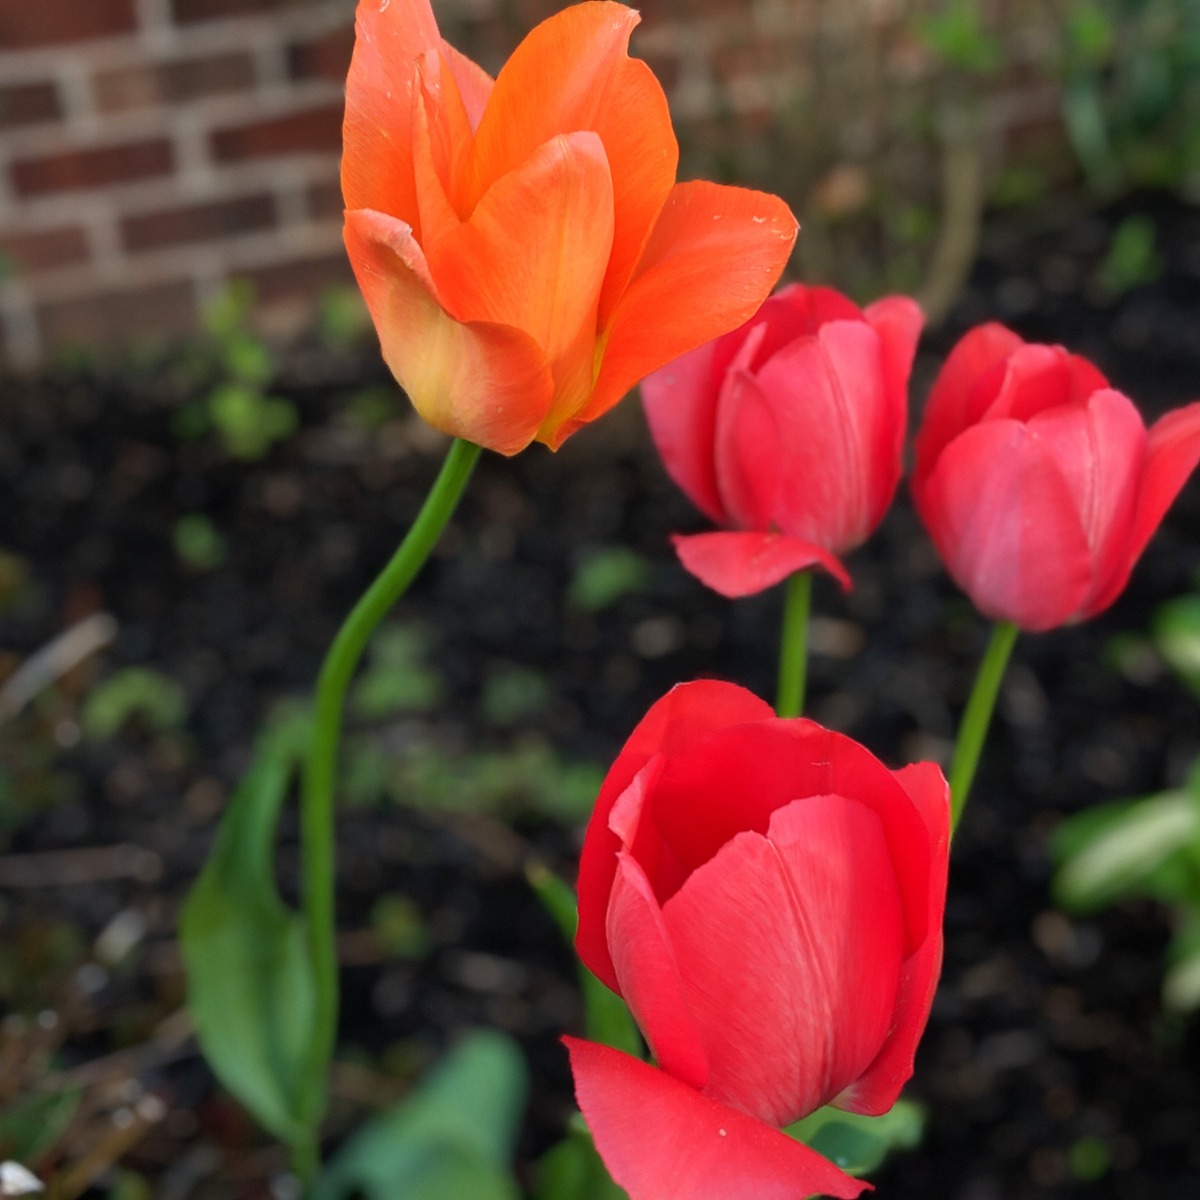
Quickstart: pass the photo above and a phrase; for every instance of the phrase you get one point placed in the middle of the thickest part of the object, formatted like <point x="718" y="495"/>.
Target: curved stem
<point x="972" y="730"/>
<point x="793" y="650"/>
<point x="316" y="796"/>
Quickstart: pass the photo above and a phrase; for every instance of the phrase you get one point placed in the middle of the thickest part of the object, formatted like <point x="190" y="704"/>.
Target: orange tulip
<point x="522" y="244"/>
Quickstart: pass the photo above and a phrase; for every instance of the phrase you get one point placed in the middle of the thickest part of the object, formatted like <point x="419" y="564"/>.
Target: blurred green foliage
<point x="199" y="544"/>
<point x="606" y="575"/>
<point x="399" y="678"/>
<point x="451" y="1139"/>
<point x="1132" y="258"/>
<point x="859" y="1144"/>
<point x="1131" y="78"/>
<point x="1148" y="846"/>
<point x="140" y="693"/>
<point x="238" y="366"/>
<point x="31" y="1124"/>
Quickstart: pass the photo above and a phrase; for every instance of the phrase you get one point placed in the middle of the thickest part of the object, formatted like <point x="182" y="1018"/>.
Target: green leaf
<point x="198" y="542"/>
<point x="250" y="979"/>
<point x="1132" y="259"/>
<point x="453" y="1138"/>
<point x="1181" y="983"/>
<point x="140" y="692"/>
<point x="31" y="1125"/>
<point x="249" y="422"/>
<point x="856" y="1143"/>
<point x="607" y="1019"/>
<point x="573" y="1170"/>
<point x="1176" y="630"/>
<point x="398" y="679"/>
<point x="605" y="576"/>
<point x="1116" y="849"/>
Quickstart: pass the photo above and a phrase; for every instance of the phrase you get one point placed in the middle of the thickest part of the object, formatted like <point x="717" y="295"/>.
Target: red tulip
<point x="787" y="432"/>
<point x="768" y="898"/>
<point x="522" y="245"/>
<point x="1040" y="484"/>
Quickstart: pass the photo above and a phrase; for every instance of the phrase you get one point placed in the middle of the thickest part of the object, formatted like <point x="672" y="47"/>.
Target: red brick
<point x="55" y="22"/>
<point x="306" y="277"/>
<point x="297" y="133"/>
<point x="97" y="167"/>
<point x="173" y="82"/>
<point x="28" y="103"/>
<point x="43" y="249"/>
<point x="325" y="57"/>
<point x="198" y="222"/>
<point x="187" y="11"/>
<point x="119" y="318"/>
<point x="325" y="200"/>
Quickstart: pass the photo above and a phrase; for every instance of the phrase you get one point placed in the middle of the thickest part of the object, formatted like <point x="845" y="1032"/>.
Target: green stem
<point x="978" y="715"/>
<point x="793" y="650"/>
<point x="316" y="797"/>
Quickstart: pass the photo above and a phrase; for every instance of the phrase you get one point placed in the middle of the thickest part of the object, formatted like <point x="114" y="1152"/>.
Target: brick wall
<point x="150" y="150"/>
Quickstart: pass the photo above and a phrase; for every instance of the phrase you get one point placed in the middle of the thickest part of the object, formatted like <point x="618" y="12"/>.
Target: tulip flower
<point x="1038" y="482"/>
<point x="522" y="245"/>
<point x="768" y="899"/>
<point x="787" y="433"/>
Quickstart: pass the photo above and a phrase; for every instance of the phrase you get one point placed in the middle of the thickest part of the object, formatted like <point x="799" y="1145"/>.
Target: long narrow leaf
<point x="250" y="980"/>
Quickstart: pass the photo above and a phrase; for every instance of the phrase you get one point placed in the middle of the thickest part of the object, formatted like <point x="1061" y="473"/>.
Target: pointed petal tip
<point x="660" y="1138"/>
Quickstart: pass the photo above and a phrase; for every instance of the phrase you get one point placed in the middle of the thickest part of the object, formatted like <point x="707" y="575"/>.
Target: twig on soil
<point x="86" y="865"/>
<point x="54" y="660"/>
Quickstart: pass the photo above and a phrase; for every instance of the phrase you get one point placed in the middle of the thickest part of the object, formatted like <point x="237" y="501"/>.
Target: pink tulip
<point x="768" y="898"/>
<point x="787" y="432"/>
<point x="1038" y="482"/>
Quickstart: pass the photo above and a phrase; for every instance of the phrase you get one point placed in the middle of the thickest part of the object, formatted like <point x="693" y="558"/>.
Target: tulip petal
<point x="377" y="170"/>
<point x="477" y="380"/>
<point x="533" y="256"/>
<point x="713" y="257"/>
<point x="1100" y="449"/>
<point x="979" y="354"/>
<point x="807" y="309"/>
<point x="573" y="72"/>
<point x="680" y="400"/>
<point x="474" y="83"/>
<point x="648" y="971"/>
<point x="687" y="714"/>
<point x="1004" y="522"/>
<point x="768" y="764"/>
<point x="743" y="564"/>
<point x="662" y="1140"/>
<point x="441" y="147"/>
<point x="789" y="949"/>
<point x="878" y="1088"/>
<point x="1173" y="450"/>
<point x="1037" y="379"/>
<point x="898" y="321"/>
<point x="811" y="444"/>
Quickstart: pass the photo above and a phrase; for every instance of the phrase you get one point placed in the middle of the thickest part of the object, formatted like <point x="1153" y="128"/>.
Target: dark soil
<point x="1048" y="1059"/>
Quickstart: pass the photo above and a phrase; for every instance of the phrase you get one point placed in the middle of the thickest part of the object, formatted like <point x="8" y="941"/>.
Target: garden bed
<point x="552" y="615"/>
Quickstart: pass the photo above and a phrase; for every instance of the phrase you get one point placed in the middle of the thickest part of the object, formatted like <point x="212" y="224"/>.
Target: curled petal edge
<point x="739" y="564"/>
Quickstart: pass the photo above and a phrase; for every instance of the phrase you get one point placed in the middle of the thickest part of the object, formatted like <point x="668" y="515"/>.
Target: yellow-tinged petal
<point x="713" y="258"/>
<point x="533" y="256"/>
<point x="390" y="36"/>
<point x="573" y="72"/>
<point x="488" y="383"/>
